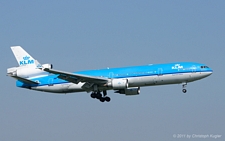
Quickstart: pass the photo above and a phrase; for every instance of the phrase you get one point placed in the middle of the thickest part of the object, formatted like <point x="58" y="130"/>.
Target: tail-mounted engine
<point x="49" y="66"/>
<point x="26" y="72"/>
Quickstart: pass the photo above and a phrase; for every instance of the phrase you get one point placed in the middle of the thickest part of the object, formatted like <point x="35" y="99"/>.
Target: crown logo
<point x="26" y="58"/>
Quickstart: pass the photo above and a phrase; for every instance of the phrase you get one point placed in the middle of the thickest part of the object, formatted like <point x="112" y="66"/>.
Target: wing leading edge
<point x="76" y="78"/>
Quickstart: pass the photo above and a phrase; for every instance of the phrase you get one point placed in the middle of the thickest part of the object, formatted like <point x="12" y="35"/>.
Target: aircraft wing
<point x="76" y="78"/>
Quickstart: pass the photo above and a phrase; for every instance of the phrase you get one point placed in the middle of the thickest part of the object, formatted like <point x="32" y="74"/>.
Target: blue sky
<point x="82" y="35"/>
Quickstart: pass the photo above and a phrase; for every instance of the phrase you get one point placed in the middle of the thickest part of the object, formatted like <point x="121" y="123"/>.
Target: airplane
<point x="30" y="74"/>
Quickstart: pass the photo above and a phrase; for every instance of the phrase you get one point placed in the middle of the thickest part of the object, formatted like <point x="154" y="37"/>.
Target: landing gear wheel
<point x="107" y="99"/>
<point x="184" y="90"/>
<point x="93" y="95"/>
<point x="98" y="95"/>
<point x="102" y="99"/>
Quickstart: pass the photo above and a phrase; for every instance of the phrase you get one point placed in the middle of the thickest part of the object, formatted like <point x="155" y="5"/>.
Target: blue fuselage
<point x="137" y="76"/>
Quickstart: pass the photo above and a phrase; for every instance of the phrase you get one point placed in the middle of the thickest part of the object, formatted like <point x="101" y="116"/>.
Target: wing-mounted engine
<point x="119" y="83"/>
<point x="129" y="91"/>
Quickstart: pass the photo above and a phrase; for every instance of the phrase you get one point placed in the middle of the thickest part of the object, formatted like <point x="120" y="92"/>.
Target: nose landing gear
<point x="184" y="85"/>
<point x="184" y="90"/>
<point x="99" y="96"/>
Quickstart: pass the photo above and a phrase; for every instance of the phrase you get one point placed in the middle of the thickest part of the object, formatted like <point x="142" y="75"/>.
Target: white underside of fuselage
<point x="133" y="82"/>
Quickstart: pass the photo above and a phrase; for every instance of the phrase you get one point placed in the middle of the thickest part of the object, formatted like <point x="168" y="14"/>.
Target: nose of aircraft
<point x="206" y="71"/>
<point x="209" y="72"/>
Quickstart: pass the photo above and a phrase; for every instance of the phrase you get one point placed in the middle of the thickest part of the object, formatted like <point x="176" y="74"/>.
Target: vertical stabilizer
<point x="22" y="57"/>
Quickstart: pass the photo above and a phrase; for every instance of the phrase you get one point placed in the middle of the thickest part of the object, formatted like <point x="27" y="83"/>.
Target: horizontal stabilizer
<point x="25" y="80"/>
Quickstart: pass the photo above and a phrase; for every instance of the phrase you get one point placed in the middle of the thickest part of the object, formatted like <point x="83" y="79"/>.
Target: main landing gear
<point x="99" y="96"/>
<point x="184" y="85"/>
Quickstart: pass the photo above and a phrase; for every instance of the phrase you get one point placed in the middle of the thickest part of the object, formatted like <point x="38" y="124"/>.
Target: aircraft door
<point x="50" y="82"/>
<point x="158" y="77"/>
<point x="160" y="71"/>
<point x="193" y="68"/>
<point x="111" y="74"/>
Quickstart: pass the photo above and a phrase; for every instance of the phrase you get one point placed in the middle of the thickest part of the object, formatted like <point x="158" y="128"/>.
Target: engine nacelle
<point x="129" y="91"/>
<point x="24" y="72"/>
<point x="119" y="83"/>
<point x="49" y="66"/>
